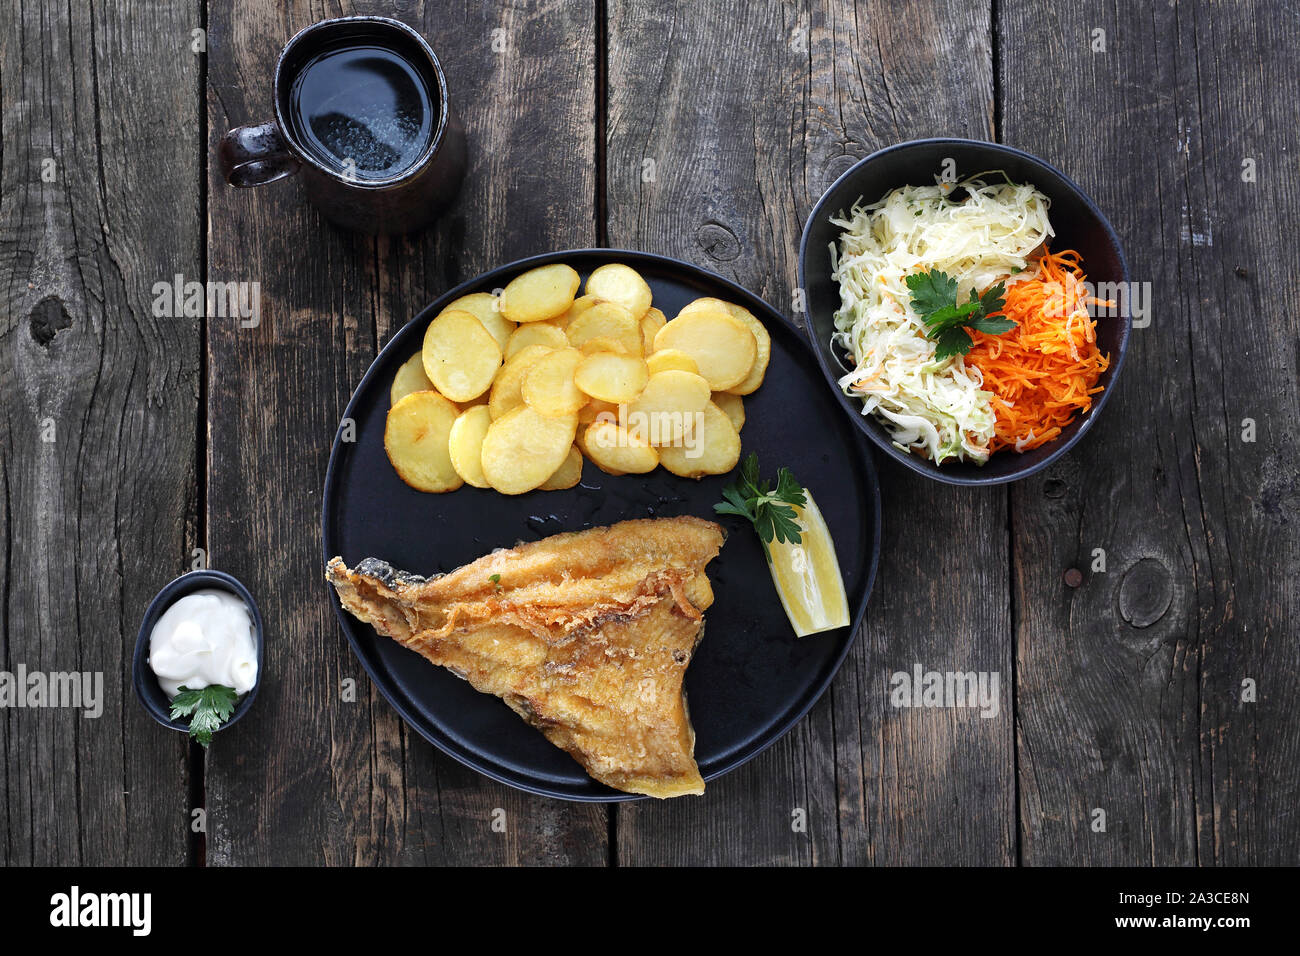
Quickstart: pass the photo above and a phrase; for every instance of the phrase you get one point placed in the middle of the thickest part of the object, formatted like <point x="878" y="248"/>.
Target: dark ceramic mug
<point x="385" y="188"/>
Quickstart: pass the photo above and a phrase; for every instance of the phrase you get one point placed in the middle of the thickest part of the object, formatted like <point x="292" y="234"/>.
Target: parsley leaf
<point x="931" y="291"/>
<point x="210" y="707"/>
<point x="771" y="512"/>
<point x="934" y="297"/>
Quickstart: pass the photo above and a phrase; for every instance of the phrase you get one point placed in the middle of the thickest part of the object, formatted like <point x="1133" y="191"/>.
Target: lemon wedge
<point x="807" y="575"/>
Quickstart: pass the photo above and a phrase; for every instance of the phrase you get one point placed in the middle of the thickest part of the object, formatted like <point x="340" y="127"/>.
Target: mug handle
<point x="255" y="155"/>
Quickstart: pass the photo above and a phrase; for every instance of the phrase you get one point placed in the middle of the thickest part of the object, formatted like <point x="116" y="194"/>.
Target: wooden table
<point x="705" y="131"/>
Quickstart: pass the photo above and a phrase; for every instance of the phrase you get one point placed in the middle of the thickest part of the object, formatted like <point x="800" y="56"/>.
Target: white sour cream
<point x="204" y="638"/>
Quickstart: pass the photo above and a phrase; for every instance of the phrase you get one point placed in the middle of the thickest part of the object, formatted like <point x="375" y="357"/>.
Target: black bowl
<point x="152" y="696"/>
<point x="1079" y="225"/>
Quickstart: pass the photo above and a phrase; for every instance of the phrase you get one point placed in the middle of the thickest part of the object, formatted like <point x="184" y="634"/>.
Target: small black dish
<point x="152" y="696"/>
<point x="1079" y="225"/>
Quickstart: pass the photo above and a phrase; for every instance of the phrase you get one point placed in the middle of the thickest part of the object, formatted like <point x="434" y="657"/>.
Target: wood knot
<point x="1054" y="488"/>
<point x="837" y="167"/>
<point x="718" y="242"/>
<point x="1145" y="593"/>
<point x="47" y="320"/>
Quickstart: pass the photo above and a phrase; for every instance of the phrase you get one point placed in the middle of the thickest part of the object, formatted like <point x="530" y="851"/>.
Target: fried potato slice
<point x="460" y="356"/>
<point x="524" y="448"/>
<point x="545" y="292"/>
<point x="733" y="406"/>
<point x="761" y="338"/>
<point x="415" y="438"/>
<point x="465" y="443"/>
<point x="596" y="408"/>
<point x="616" y="282"/>
<point x="651" y="323"/>
<point x="668" y="406"/>
<point x="712" y="449"/>
<point x="664" y="359"/>
<point x="410" y="378"/>
<point x="549" y="385"/>
<point x="705" y="304"/>
<point x="606" y="320"/>
<point x="615" y="450"/>
<point x="762" y="356"/>
<point x="535" y="333"/>
<point x="485" y="307"/>
<point x="612" y="377"/>
<point x="580" y="305"/>
<point x="508" y="389"/>
<point x="567" y="475"/>
<point x="603" y="343"/>
<point x="721" y="345"/>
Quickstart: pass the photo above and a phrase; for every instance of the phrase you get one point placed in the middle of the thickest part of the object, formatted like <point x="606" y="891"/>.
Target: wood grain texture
<point x="1130" y="687"/>
<point x="99" y="395"/>
<point x="748" y="114"/>
<point x="307" y="778"/>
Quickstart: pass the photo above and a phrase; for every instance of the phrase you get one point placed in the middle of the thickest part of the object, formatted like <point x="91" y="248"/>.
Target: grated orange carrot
<point x="1043" y="372"/>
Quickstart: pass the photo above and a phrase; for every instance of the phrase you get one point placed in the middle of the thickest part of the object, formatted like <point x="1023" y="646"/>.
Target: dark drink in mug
<point x="361" y="108"/>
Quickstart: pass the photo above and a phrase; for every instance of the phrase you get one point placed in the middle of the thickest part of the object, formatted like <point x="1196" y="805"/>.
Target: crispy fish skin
<point x="586" y="636"/>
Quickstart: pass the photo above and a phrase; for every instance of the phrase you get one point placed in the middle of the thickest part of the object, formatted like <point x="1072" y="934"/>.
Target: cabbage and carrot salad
<point x="967" y="334"/>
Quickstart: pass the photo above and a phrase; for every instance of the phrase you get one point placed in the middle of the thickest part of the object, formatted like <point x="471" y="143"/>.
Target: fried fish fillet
<point x="586" y="636"/>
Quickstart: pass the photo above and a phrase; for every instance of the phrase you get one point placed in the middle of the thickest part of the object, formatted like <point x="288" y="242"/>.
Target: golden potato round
<point x="508" y="389"/>
<point x="485" y="307"/>
<point x="761" y="338"/>
<point x="549" y="385"/>
<point x="416" y="433"/>
<point x="460" y="356"/>
<point x="651" y="323"/>
<point x="664" y="359"/>
<point x="617" y="451"/>
<point x="712" y="449"/>
<point x="705" y="304"/>
<point x="410" y="378"/>
<point x="539" y="294"/>
<point x="721" y="345"/>
<point x="535" y="333"/>
<point x="466" y="444"/>
<point x="567" y="475"/>
<point x="606" y="320"/>
<point x="612" y="377"/>
<point x="733" y="406"/>
<point x="616" y="282"/>
<point x="762" y="356"/>
<point x="523" y="448"/>
<point x="668" y="406"/>
<point x="602" y="343"/>
<point x="580" y="305"/>
<point x="594" y="409"/>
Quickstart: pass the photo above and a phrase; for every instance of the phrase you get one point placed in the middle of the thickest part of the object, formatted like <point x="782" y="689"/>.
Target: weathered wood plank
<point x="1131" y="686"/>
<point x="100" y="405"/>
<point x="307" y="778"/>
<point x="748" y="114"/>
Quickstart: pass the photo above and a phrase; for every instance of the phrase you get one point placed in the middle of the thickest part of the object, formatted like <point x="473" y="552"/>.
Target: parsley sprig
<point x="770" y="511"/>
<point x="210" y="707"/>
<point x="934" y="297"/>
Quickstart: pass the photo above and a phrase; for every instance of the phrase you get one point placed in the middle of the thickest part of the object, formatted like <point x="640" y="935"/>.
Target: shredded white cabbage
<point x="937" y="409"/>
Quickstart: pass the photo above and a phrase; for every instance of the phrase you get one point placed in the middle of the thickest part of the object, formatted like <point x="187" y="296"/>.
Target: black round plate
<point x="751" y="678"/>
